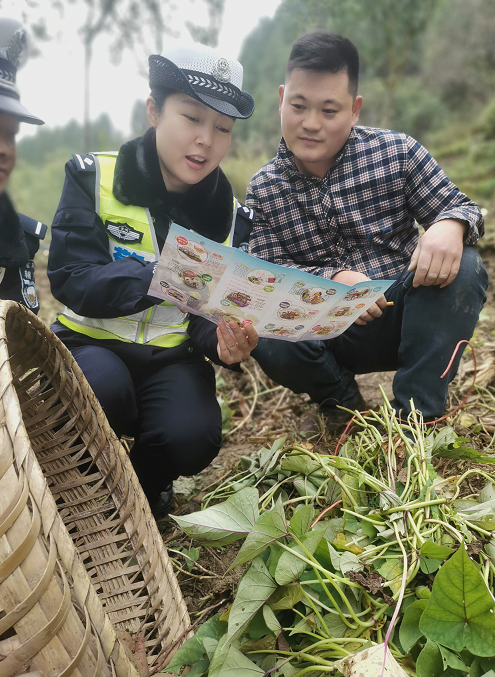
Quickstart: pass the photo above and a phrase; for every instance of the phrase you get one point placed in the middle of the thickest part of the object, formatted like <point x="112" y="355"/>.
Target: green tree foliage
<point x="36" y="191"/>
<point x="488" y="121"/>
<point x="389" y="35"/>
<point x="36" y="183"/>
<point x="40" y="147"/>
<point x="422" y="63"/>
<point x="264" y="57"/>
<point x="459" y="55"/>
<point x="242" y="163"/>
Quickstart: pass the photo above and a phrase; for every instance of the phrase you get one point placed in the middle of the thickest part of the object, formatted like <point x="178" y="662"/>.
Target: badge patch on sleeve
<point x="123" y="232"/>
<point x="27" y="285"/>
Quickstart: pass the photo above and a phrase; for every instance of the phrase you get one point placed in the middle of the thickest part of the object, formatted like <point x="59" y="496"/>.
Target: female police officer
<point x="19" y="235"/>
<point x="145" y="362"/>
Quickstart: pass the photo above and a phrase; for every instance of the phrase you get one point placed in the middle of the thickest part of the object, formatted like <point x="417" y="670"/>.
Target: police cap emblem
<point x="221" y="70"/>
<point x="16" y="47"/>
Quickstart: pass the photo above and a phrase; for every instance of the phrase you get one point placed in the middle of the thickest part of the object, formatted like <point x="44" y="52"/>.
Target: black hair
<point x="325" y="52"/>
<point x="160" y="95"/>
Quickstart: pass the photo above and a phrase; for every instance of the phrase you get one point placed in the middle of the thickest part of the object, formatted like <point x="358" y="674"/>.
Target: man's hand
<point x="234" y="348"/>
<point x="373" y="311"/>
<point x="437" y="257"/>
<point x="351" y="278"/>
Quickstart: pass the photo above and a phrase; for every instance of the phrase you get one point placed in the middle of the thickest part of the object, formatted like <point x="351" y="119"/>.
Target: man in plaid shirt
<point x="343" y="202"/>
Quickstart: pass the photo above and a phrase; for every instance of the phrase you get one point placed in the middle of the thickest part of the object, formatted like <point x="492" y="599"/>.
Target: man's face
<point x="191" y="140"/>
<point x="317" y="113"/>
<point x="9" y="126"/>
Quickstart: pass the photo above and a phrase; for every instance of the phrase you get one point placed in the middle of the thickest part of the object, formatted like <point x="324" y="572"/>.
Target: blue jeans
<point x="416" y="336"/>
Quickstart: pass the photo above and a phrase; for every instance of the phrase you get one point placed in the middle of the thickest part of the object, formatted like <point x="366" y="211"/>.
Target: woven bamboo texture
<point x="83" y="568"/>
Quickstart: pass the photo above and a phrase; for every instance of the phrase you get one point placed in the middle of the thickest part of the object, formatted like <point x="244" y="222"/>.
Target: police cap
<point x="13" y="53"/>
<point x="204" y="75"/>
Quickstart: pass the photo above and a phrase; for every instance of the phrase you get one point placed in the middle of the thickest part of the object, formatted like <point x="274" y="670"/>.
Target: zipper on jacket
<point x="144" y="324"/>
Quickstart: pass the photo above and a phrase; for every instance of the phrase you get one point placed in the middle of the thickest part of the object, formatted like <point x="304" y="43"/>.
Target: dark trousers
<point x="416" y="337"/>
<point x="165" y="399"/>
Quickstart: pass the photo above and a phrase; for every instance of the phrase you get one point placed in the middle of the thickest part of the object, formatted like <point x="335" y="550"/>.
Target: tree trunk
<point x="88" y="53"/>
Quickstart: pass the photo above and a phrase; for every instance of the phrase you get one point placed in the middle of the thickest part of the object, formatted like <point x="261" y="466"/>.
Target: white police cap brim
<point x="164" y="73"/>
<point x="9" y="104"/>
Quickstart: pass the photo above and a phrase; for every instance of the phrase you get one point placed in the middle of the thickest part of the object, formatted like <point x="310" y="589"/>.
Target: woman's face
<point x="191" y="139"/>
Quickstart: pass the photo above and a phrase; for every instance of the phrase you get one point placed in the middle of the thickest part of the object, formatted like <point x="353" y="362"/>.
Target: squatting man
<point x="344" y="202"/>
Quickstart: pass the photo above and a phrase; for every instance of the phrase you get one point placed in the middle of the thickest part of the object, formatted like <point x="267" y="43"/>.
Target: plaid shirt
<point x="362" y="215"/>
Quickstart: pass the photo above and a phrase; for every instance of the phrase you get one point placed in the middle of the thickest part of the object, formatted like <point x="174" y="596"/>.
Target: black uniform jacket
<point x="19" y="241"/>
<point x="81" y="270"/>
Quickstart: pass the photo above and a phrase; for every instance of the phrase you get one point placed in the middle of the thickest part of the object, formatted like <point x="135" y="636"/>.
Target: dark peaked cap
<point x="13" y="53"/>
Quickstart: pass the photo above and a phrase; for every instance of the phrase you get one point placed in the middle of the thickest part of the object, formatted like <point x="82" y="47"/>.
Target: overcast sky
<point x="51" y="83"/>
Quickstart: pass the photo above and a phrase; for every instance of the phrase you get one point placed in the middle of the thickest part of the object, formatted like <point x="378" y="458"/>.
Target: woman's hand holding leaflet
<point x="236" y="344"/>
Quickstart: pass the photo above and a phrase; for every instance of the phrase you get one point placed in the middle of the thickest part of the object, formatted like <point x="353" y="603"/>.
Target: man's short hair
<point x="325" y="52"/>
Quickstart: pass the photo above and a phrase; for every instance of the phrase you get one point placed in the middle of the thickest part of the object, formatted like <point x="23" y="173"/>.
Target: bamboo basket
<point x="83" y="569"/>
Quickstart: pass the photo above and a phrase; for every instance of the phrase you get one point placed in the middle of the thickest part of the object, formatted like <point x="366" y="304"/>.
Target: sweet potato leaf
<point x="290" y="566"/>
<point x="345" y="561"/>
<point x="335" y="625"/>
<point x="286" y="597"/>
<point x="409" y="631"/>
<point x="392" y="570"/>
<point x="193" y="650"/>
<point x="487" y="493"/>
<point x="255" y="588"/>
<point x="459" y="611"/>
<point x="302" y="519"/>
<point x="480" y="512"/>
<point x="271" y="621"/>
<point x="452" y="660"/>
<point x="458" y="450"/>
<point x="299" y="463"/>
<point x="223" y="523"/>
<point x="304" y="487"/>
<point x="200" y="668"/>
<point x="429" y="565"/>
<point x="220" y="656"/>
<point x="238" y="665"/>
<point x="226" y="413"/>
<point x="444" y="437"/>
<point x="430" y="663"/>
<point x="435" y="551"/>
<point x="268" y="458"/>
<point x="269" y="528"/>
<point x="210" y="646"/>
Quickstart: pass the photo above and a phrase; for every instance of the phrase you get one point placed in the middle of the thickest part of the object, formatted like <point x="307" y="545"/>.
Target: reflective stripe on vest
<point x="162" y="325"/>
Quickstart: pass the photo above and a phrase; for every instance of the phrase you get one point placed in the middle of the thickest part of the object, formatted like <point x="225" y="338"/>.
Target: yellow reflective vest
<point x="162" y="325"/>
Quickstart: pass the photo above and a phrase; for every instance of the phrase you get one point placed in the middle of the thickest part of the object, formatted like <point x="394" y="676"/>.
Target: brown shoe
<point x="330" y="419"/>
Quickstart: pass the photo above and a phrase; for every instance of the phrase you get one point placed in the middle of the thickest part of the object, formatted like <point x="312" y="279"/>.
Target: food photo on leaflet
<point x="362" y="193"/>
<point x="143" y="357"/>
<point x="20" y="235"/>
